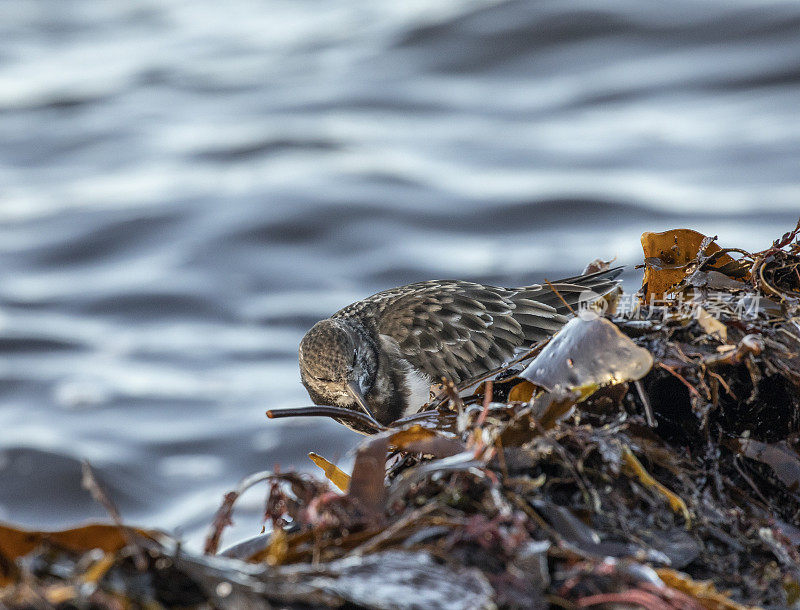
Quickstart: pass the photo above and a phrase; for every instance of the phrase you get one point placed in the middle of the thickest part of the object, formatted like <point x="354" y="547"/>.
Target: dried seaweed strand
<point x="487" y="399"/>
<point x="222" y="518"/>
<point x="326" y="411"/>
<point x="90" y="483"/>
<point x="680" y="378"/>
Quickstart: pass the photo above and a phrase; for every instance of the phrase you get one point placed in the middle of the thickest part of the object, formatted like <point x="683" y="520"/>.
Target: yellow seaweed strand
<point x="701" y="590"/>
<point x="675" y="502"/>
<point x="335" y="475"/>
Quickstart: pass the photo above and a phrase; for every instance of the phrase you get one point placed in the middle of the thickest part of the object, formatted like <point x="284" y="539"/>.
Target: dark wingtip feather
<point x="606" y="274"/>
<point x="571" y="289"/>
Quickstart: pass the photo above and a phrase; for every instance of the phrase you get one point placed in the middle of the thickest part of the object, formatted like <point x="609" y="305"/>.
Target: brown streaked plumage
<point x="381" y="354"/>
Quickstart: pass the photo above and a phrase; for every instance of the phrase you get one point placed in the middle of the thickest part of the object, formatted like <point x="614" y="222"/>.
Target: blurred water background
<point x="187" y="186"/>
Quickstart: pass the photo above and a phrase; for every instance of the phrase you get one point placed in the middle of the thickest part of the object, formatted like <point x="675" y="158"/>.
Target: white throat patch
<point x="420" y="385"/>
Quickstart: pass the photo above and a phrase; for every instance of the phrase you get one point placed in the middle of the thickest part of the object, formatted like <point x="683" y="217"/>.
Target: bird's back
<point x="461" y="329"/>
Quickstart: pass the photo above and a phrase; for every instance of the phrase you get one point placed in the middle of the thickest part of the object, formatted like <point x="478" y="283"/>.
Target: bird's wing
<point x="460" y="329"/>
<point x="571" y="290"/>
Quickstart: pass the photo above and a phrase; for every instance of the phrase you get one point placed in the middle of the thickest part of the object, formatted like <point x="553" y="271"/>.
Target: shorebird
<point x="381" y="355"/>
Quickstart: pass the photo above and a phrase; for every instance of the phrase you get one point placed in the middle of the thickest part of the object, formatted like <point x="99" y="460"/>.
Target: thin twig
<point x="501" y="458"/>
<point x="223" y="517"/>
<point x="724" y="384"/>
<point x="90" y="483"/>
<point x="487" y="399"/>
<point x="678" y="376"/>
<point x="749" y="481"/>
<point x="558" y="294"/>
<point x="648" y="408"/>
<point x="374" y="542"/>
<point x="451" y="394"/>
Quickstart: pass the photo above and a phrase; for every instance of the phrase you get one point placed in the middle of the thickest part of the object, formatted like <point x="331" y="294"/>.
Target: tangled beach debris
<point x="647" y="456"/>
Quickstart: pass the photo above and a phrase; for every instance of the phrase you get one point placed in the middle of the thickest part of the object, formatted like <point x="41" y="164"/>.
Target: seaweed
<point x="646" y="456"/>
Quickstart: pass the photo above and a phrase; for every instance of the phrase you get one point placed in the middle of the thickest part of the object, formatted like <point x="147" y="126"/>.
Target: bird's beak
<point x="355" y="392"/>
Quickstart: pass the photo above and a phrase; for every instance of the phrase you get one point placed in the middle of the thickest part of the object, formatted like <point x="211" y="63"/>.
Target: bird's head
<point x="337" y="365"/>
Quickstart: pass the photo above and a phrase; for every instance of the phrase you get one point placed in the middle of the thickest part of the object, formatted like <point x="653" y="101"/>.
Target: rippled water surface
<point x="186" y="187"/>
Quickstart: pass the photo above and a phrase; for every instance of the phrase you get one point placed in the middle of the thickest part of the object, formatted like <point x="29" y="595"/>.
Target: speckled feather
<point x="461" y="329"/>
